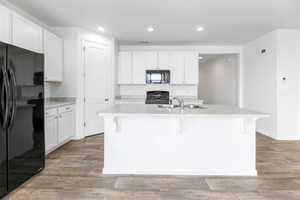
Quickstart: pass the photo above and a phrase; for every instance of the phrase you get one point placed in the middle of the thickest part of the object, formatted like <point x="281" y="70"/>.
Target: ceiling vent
<point x="144" y="42"/>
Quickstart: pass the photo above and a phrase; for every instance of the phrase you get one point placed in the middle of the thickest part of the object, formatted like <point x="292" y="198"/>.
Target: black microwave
<point x="157" y="76"/>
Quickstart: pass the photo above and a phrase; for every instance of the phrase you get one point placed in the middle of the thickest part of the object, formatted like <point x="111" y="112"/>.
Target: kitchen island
<point x="212" y="140"/>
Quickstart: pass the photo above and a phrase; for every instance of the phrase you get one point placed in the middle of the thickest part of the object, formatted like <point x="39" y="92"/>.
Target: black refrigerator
<point x="22" y="148"/>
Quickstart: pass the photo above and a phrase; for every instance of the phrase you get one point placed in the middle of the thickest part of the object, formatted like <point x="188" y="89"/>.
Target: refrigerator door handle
<point x="4" y="98"/>
<point x="12" y="86"/>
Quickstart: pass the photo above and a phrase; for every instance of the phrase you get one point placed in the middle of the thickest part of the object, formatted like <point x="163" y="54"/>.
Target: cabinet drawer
<point x="66" y="109"/>
<point x="51" y="112"/>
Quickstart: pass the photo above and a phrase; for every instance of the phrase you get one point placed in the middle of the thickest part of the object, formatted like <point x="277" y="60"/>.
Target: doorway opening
<point x="219" y="79"/>
<point x="96" y="64"/>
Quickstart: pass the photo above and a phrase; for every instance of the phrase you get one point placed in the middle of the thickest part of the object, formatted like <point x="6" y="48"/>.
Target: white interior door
<point x="96" y="63"/>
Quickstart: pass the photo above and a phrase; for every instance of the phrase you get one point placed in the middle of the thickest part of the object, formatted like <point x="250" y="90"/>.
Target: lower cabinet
<point x="66" y="124"/>
<point x="51" y="133"/>
<point x="59" y="127"/>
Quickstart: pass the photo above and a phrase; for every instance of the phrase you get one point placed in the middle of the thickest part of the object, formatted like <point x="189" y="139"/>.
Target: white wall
<point x="73" y="82"/>
<point x="264" y="87"/>
<point x="260" y="76"/>
<point x="218" y="80"/>
<point x="288" y="91"/>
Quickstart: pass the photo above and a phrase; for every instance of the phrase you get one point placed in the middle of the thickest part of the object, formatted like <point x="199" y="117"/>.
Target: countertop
<point x="154" y="110"/>
<point x="141" y="100"/>
<point x="131" y="100"/>
<point x="59" y="102"/>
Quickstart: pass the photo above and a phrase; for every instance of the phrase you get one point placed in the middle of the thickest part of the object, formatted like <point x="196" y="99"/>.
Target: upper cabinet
<point x="184" y="68"/>
<point x="163" y="60"/>
<point x="177" y="67"/>
<point x="191" y="68"/>
<point x="138" y="68"/>
<point x="21" y="32"/>
<point x="150" y="59"/>
<point x="182" y="65"/>
<point x="125" y="68"/>
<point x="5" y="24"/>
<point x="26" y="34"/>
<point x="53" y="50"/>
<point x="142" y="61"/>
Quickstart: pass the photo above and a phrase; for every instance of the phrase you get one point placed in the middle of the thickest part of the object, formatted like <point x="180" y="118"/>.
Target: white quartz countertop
<point x="154" y="110"/>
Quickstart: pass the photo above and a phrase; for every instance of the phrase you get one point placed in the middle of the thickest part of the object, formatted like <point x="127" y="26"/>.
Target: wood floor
<point x="73" y="172"/>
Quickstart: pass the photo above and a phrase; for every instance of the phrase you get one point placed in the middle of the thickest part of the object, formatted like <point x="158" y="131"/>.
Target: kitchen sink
<point x="189" y="106"/>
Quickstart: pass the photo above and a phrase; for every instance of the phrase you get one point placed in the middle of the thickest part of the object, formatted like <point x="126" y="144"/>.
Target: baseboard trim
<point x="170" y="172"/>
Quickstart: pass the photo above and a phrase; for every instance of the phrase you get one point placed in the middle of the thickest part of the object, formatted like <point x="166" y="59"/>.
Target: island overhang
<point x="145" y="139"/>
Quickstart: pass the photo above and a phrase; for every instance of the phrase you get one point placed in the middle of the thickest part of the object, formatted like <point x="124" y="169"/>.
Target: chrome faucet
<point x="180" y="101"/>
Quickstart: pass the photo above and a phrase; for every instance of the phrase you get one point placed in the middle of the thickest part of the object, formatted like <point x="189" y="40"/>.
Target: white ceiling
<point x="175" y="21"/>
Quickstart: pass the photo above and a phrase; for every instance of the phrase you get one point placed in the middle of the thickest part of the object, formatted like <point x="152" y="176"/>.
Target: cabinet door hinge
<point x="84" y="124"/>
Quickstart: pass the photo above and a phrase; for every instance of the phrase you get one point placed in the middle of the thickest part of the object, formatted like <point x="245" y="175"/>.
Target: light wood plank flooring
<point x="73" y="172"/>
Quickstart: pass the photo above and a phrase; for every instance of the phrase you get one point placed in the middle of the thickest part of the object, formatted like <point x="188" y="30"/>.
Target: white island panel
<point x="180" y="144"/>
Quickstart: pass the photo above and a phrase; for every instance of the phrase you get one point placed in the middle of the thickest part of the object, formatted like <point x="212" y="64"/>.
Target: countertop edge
<point x="183" y="115"/>
<point x="58" y="104"/>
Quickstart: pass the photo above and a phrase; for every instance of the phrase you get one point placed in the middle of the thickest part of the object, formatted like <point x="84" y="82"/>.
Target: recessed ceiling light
<point x="200" y="57"/>
<point x="150" y="29"/>
<point x="100" y="28"/>
<point x="200" y="28"/>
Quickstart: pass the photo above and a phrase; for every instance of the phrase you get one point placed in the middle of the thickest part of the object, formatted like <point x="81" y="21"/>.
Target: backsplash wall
<point x="175" y="90"/>
<point x="47" y="90"/>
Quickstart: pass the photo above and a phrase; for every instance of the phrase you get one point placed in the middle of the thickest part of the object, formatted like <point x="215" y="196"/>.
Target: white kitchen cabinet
<point x="138" y="68"/>
<point x="163" y="60"/>
<point x="142" y="61"/>
<point x="51" y="129"/>
<point x="182" y="65"/>
<point x="177" y="62"/>
<point x="59" y="126"/>
<point x="5" y="25"/>
<point x="191" y="68"/>
<point x="53" y="50"/>
<point x="150" y="59"/>
<point x="66" y="123"/>
<point x="125" y="68"/>
<point x="26" y="34"/>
